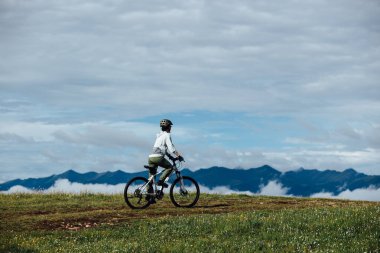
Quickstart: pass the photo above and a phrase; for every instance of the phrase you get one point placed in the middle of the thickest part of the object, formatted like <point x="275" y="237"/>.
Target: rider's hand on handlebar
<point x="180" y="158"/>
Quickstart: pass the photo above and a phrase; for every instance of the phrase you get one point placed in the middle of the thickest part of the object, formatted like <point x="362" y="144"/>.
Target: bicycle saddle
<point x="148" y="167"/>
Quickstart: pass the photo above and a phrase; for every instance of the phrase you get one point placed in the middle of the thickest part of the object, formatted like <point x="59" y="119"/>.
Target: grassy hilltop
<point x="230" y="223"/>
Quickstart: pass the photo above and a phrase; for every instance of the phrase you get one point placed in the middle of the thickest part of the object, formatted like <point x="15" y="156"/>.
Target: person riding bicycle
<point x="162" y="146"/>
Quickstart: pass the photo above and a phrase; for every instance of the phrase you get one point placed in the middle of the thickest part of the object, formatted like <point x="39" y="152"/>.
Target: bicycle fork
<point x="183" y="190"/>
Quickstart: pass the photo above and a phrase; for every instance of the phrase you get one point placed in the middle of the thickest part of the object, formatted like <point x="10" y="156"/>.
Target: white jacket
<point x="163" y="145"/>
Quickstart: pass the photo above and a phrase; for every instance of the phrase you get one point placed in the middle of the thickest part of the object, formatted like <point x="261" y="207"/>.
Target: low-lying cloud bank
<point x="371" y="194"/>
<point x="65" y="186"/>
<point x="273" y="188"/>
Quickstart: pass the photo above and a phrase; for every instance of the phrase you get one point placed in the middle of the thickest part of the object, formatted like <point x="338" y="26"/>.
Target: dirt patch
<point x="40" y="212"/>
<point x="67" y="225"/>
<point x="88" y="216"/>
<point x="78" y="223"/>
<point x="213" y="206"/>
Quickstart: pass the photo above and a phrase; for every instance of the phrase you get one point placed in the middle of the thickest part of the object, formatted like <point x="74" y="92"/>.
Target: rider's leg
<point x="168" y="169"/>
<point x="152" y="163"/>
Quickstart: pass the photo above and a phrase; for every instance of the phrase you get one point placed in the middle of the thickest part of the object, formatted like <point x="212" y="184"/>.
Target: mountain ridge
<point x="301" y="182"/>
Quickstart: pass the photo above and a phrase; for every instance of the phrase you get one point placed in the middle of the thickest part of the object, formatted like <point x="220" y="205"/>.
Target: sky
<point x="84" y="84"/>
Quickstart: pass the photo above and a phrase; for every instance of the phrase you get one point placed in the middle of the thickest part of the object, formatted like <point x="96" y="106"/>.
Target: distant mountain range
<point x="301" y="182"/>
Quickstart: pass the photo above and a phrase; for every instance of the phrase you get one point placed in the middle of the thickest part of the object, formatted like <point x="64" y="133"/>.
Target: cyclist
<point x="162" y="146"/>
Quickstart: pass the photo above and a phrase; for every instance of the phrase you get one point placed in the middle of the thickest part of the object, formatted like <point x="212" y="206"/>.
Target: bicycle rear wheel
<point x="135" y="194"/>
<point x="184" y="193"/>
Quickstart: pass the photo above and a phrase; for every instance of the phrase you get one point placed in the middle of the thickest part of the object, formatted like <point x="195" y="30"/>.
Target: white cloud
<point x="116" y="133"/>
<point x="120" y="55"/>
<point x="41" y="149"/>
<point x="370" y="194"/>
<point x="65" y="186"/>
<point x="222" y="190"/>
<point x="18" y="189"/>
<point x="273" y="188"/>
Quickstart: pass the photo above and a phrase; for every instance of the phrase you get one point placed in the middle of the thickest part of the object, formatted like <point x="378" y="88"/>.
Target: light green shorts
<point x="159" y="161"/>
<point x="162" y="162"/>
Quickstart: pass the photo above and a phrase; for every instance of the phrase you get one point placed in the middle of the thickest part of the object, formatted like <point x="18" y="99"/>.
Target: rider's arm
<point x="170" y="145"/>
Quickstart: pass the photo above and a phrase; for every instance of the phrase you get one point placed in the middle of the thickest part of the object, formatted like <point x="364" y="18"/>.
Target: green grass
<point x="234" y="223"/>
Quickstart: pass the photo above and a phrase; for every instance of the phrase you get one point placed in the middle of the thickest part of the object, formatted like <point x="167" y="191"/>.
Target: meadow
<point x="218" y="223"/>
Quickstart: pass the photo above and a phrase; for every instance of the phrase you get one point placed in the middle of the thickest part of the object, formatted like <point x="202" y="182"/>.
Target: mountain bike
<point x="184" y="190"/>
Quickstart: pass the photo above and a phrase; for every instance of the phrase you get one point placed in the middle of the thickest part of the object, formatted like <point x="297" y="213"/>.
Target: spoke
<point x="136" y="194"/>
<point x="185" y="193"/>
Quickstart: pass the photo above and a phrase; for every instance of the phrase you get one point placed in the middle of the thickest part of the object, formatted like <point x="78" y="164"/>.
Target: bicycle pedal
<point x="160" y="194"/>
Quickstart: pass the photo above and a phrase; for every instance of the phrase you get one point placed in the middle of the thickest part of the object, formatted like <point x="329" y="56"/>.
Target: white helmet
<point x="165" y="123"/>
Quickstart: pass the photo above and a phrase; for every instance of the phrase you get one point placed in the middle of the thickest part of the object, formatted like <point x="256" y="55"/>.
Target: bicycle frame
<point x="152" y="179"/>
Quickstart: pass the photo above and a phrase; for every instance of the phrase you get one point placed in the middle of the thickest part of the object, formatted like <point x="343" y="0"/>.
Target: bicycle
<point x="184" y="191"/>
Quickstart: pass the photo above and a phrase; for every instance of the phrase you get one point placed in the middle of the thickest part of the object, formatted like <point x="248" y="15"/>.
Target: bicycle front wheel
<point x="184" y="192"/>
<point x="136" y="193"/>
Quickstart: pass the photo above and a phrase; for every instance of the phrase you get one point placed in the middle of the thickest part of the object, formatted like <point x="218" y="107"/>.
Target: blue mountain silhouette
<point x="301" y="182"/>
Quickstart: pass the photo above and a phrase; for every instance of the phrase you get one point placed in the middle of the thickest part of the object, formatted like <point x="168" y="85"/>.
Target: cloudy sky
<point x="83" y="84"/>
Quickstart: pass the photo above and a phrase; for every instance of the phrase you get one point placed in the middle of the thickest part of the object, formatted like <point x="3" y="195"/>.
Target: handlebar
<point x="179" y="158"/>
